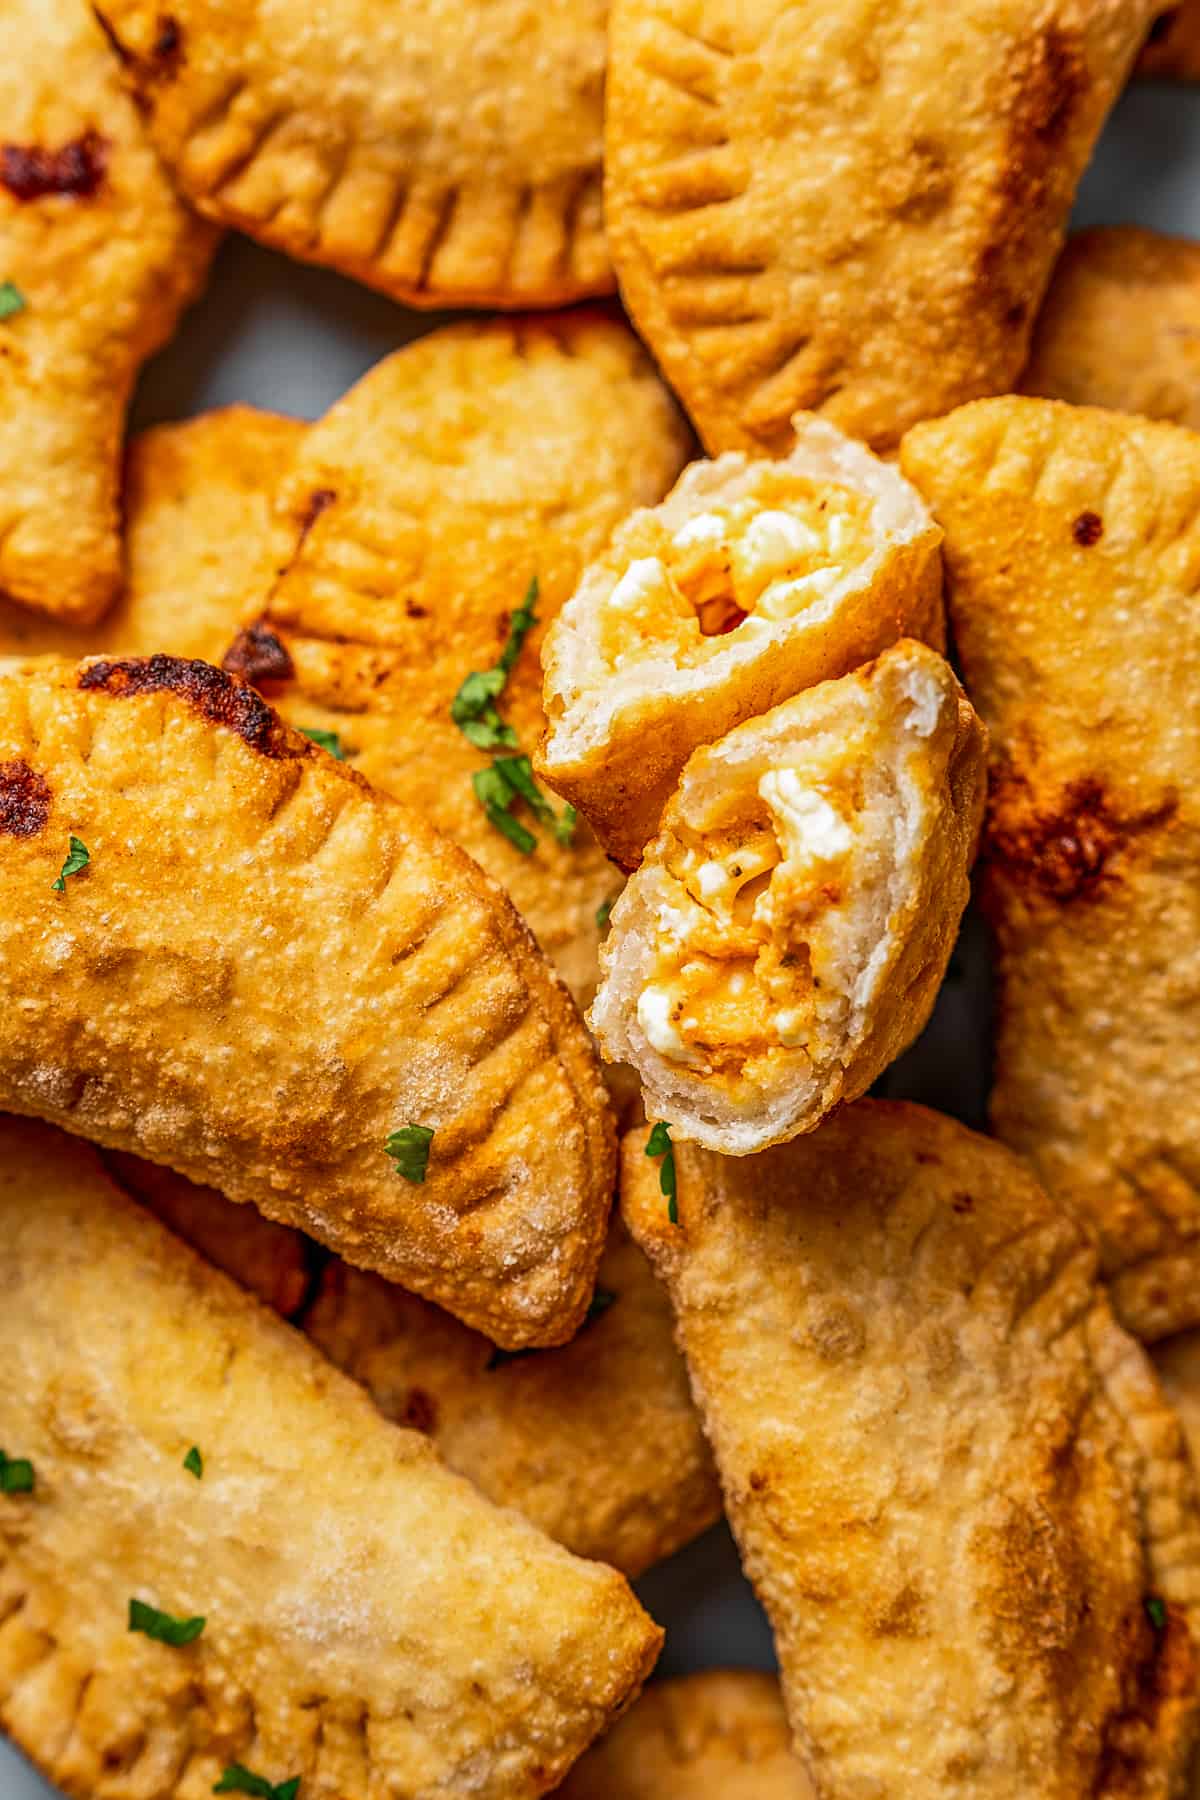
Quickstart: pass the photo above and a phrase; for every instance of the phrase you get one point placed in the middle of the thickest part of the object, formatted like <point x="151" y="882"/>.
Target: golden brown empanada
<point x="271" y="977"/>
<point x="851" y="209"/>
<point x="332" y="1604"/>
<point x="1173" y="50"/>
<point x="954" y="1480"/>
<point x="1121" y="326"/>
<point x="785" y="938"/>
<point x="97" y="258"/>
<point x="1073" y="558"/>
<point x="447" y="152"/>
<point x="751" y="581"/>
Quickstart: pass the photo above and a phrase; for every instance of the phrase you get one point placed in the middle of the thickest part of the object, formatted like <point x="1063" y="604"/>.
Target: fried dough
<point x="447" y="152"/>
<point x="720" y="1735"/>
<point x="751" y="581"/>
<point x="785" y="938"/>
<point x="1073" y="557"/>
<point x="370" y="1623"/>
<point x="267" y="970"/>
<point x="848" y="209"/>
<point x="953" y="1478"/>
<point x="102" y="257"/>
<point x="1173" y="50"/>
<point x="1121" y="326"/>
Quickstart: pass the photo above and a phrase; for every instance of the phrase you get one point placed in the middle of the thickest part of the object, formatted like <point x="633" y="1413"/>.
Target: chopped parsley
<point x="564" y="825"/>
<point x="473" y="708"/>
<point x="16" y="1474"/>
<point x="602" y="1299"/>
<point x="12" y="300"/>
<point x="602" y="914"/>
<point x="237" y="1780"/>
<point x="498" y="788"/>
<point x="78" y="858"/>
<point x="409" y="1149"/>
<point x="162" y="1626"/>
<point x="324" y="740"/>
<point x="1156" y="1612"/>
<point x="193" y="1462"/>
<point x="659" y="1144"/>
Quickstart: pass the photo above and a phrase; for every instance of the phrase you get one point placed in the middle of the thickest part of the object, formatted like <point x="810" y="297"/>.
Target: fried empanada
<point x="1121" y="326"/>
<point x="333" y="1605"/>
<point x="276" y="980"/>
<point x="1173" y="50"/>
<point x="720" y="1735"/>
<point x="447" y="152"/>
<point x="97" y="258"/>
<point x="954" y="1480"/>
<point x="1073" y="559"/>
<point x="785" y="938"/>
<point x="849" y="209"/>
<point x="751" y="581"/>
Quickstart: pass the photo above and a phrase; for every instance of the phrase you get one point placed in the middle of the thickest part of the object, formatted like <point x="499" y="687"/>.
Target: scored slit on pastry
<point x="787" y="932"/>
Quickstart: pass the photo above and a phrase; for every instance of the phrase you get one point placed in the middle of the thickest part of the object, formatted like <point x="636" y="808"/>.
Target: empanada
<point x="851" y="209"/>
<point x="447" y="152"/>
<point x="100" y="257"/>
<point x="954" y="1480"/>
<point x="357" y="1616"/>
<point x="276" y="980"/>
<point x="1173" y="50"/>
<point x="785" y="938"/>
<point x="1121" y="326"/>
<point x="720" y="1735"/>
<point x="1073" y="558"/>
<point x="751" y="581"/>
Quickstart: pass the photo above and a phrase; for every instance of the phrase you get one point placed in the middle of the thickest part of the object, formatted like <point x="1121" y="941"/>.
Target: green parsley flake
<point x="162" y="1626"/>
<point x="659" y="1144"/>
<point x="193" y="1462"/>
<point x="409" y="1148"/>
<point x="16" y="1474"/>
<point x="1156" y="1612"/>
<point x="473" y="708"/>
<point x="602" y="1299"/>
<point x="564" y="827"/>
<point x="603" y="912"/>
<point x="325" y="740"/>
<point x="12" y="300"/>
<point x="78" y="858"/>
<point x="237" y="1780"/>
<point x="495" y="795"/>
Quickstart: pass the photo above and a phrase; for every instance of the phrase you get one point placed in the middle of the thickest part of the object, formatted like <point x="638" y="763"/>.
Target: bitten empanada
<point x="332" y="1606"/>
<point x="954" y="1480"/>
<point x="97" y="258"/>
<point x="1121" y="326"/>
<point x="280" y="982"/>
<point x="447" y="152"/>
<point x="1073" y="562"/>
<point x="786" y="935"/>
<point x="1173" y="49"/>
<point x="751" y="581"/>
<point x="851" y="209"/>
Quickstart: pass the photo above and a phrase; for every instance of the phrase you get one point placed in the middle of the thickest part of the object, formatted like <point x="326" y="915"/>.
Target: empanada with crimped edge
<point x="447" y="152"/>
<point x="786" y="935"/>
<point x="848" y="209"/>
<point x="954" y="1480"/>
<point x="1120" y="327"/>
<point x="718" y="1735"/>
<point x="751" y="581"/>
<point x="103" y="255"/>
<point x="371" y="1624"/>
<point x="1073" y="560"/>
<point x="1173" y="50"/>
<point x="267" y="969"/>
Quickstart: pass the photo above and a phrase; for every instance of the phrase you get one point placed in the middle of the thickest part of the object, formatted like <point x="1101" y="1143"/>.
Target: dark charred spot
<point x="318" y="501"/>
<point x="220" y="698"/>
<point x="258" y="656"/>
<point x="24" y="800"/>
<point x="1067" y="854"/>
<point x="1164" y="25"/>
<point x="962" y="1203"/>
<point x="167" y="51"/>
<point x="413" y="611"/>
<point x="758" y="1481"/>
<point x="76" y="169"/>
<point x="1016" y="315"/>
<point x="420" y="1411"/>
<point x="1087" y="530"/>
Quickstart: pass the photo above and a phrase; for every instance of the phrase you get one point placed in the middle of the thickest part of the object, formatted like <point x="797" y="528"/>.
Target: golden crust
<point x="1173" y="50"/>
<point x="105" y="257"/>
<point x="267" y="969"/>
<point x="446" y="153"/>
<point x="908" y="285"/>
<point x="953" y="1478"/>
<point x="1073" y="555"/>
<point x="1121" y="326"/>
<point x="372" y="1625"/>
<point x="720" y="1735"/>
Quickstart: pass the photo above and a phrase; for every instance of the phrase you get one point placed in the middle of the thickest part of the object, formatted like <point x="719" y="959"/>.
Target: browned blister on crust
<point x="1121" y="326"/>
<point x="848" y="209"/>
<point x="1173" y="48"/>
<point x="103" y="255"/>
<point x="954" y="1480"/>
<point x="371" y="1624"/>
<point x="447" y="152"/>
<point x="268" y="968"/>
<point x="1073" y="557"/>
<point x="718" y="1735"/>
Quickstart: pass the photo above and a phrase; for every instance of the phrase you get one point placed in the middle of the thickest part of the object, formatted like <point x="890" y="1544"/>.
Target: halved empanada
<point x="848" y="208"/>
<point x="1073" y="555"/>
<point x="954" y="1481"/>
<point x="280" y="982"/>
<point x="97" y="257"/>
<point x="751" y="581"/>
<point x="1173" y="50"/>
<point x="785" y="938"/>
<point x="358" y="1619"/>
